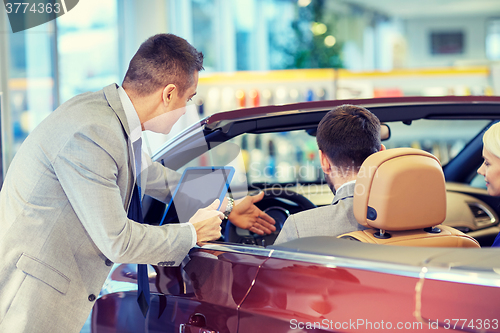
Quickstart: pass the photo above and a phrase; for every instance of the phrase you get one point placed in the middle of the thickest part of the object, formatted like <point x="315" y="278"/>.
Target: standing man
<point x="64" y="202"/>
<point x="346" y="136"/>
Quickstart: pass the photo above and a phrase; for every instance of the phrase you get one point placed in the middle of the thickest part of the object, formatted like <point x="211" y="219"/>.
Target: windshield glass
<point x="292" y="157"/>
<point x="442" y="138"/>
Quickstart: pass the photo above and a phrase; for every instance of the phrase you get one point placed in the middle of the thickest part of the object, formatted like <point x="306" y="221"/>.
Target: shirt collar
<point x="349" y="182"/>
<point x="131" y="114"/>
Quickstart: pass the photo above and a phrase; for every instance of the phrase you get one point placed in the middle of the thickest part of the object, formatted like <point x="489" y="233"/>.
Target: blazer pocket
<point x="43" y="272"/>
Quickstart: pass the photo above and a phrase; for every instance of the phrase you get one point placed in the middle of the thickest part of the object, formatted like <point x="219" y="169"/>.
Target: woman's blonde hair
<point x="491" y="139"/>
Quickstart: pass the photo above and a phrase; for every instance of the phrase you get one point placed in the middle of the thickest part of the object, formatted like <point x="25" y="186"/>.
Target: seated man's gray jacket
<point x="332" y="220"/>
<point x="63" y="216"/>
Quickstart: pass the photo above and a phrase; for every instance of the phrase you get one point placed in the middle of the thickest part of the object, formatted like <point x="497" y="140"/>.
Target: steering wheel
<point x="278" y="203"/>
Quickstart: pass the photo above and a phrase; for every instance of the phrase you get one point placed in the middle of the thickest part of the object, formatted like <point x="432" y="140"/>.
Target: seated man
<point x="346" y="136"/>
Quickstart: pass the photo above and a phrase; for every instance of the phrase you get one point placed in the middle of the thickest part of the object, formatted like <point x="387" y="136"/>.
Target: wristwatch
<point x="229" y="207"/>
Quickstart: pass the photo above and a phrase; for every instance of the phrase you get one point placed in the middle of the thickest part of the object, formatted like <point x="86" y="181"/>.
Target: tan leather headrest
<point x="400" y="189"/>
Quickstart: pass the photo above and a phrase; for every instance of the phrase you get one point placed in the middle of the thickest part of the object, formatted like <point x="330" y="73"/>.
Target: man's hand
<point x="246" y="215"/>
<point x="207" y="222"/>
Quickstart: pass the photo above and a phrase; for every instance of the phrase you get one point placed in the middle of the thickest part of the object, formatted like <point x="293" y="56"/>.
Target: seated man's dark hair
<point x="347" y="135"/>
<point x="161" y="60"/>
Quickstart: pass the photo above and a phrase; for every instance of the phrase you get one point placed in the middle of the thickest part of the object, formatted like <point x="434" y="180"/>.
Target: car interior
<point x="289" y="144"/>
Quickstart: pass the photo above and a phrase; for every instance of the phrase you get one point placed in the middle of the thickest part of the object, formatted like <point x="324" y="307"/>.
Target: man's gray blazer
<point x="63" y="216"/>
<point x="332" y="220"/>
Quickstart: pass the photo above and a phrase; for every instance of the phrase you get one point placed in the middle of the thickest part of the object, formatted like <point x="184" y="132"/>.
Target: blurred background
<point x="257" y="52"/>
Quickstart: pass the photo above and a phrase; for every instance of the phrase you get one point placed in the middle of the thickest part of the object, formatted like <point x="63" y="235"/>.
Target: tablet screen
<point x="197" y="188"/>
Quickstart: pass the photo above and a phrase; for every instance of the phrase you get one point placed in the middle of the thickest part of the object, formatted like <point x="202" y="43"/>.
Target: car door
<point x="203" y="294"/>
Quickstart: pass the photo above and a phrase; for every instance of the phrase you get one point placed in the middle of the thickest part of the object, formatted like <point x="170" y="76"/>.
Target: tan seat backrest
<point x="399" y="192"/>
<point x="400" y="189"/>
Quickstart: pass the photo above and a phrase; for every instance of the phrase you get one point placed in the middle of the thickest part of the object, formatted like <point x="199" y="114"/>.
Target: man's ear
<point x="382" y="147"/>
<point x="325" y="162"/>
<point x="167" y="93"/>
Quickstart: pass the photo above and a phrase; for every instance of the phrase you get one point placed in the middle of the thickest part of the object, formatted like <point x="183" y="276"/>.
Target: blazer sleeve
<point x="288" y="231"/>
<point x="87" y="167"/>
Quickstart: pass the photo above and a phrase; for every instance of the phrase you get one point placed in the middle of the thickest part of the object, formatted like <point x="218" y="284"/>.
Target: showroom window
<point x="493" y="39"/>
<point x="50" y="63"/>
<point x="87" y="42"/>
<point x="30" y="80"/>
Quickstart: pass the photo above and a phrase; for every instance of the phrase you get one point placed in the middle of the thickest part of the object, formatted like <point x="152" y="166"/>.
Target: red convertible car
<point x="244" y="283"/>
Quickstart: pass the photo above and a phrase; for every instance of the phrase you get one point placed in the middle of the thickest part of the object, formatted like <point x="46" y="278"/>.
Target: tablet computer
<point x="197" y="188"/>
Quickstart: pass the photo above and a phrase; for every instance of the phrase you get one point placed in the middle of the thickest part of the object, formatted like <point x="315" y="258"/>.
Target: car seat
<point x="400" y="196"/>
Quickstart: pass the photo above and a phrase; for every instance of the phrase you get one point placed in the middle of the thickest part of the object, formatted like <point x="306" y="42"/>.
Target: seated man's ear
<point x="325" y="162"/>
<point x="382" y="147"/>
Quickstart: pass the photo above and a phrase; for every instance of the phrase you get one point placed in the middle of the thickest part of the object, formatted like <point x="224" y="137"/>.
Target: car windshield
<point x="292" y="156"/>
<point x="443" y="138"/>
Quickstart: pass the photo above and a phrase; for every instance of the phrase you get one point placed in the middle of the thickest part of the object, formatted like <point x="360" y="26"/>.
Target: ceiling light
<point x="318" y="28"/>
<point x="330" y="41"/>
<point x="303" y="3"/>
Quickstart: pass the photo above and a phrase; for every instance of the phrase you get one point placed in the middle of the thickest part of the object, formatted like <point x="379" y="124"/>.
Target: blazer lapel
<point x="113" y="99"/>
<point x="144" y="177"/>
<point x="111" y="95"/>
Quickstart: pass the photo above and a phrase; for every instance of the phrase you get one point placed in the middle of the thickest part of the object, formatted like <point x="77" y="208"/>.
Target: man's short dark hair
<point x="161" y="60"/>
<point x="348" y="134"/>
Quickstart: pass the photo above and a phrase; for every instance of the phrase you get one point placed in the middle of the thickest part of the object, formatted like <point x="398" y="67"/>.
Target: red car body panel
<point x="350" y="300"/>
<point x="245" y="293"/>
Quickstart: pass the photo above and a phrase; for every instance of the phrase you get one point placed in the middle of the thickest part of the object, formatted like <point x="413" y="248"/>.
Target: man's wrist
<point x="194" y="237"/>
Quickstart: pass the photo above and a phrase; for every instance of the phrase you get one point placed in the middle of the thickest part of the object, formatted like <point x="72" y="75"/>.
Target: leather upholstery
<point x="401" y="192"/>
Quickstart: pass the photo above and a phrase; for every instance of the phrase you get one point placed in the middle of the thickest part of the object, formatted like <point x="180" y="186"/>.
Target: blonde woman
<point x="490" y="169"/>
